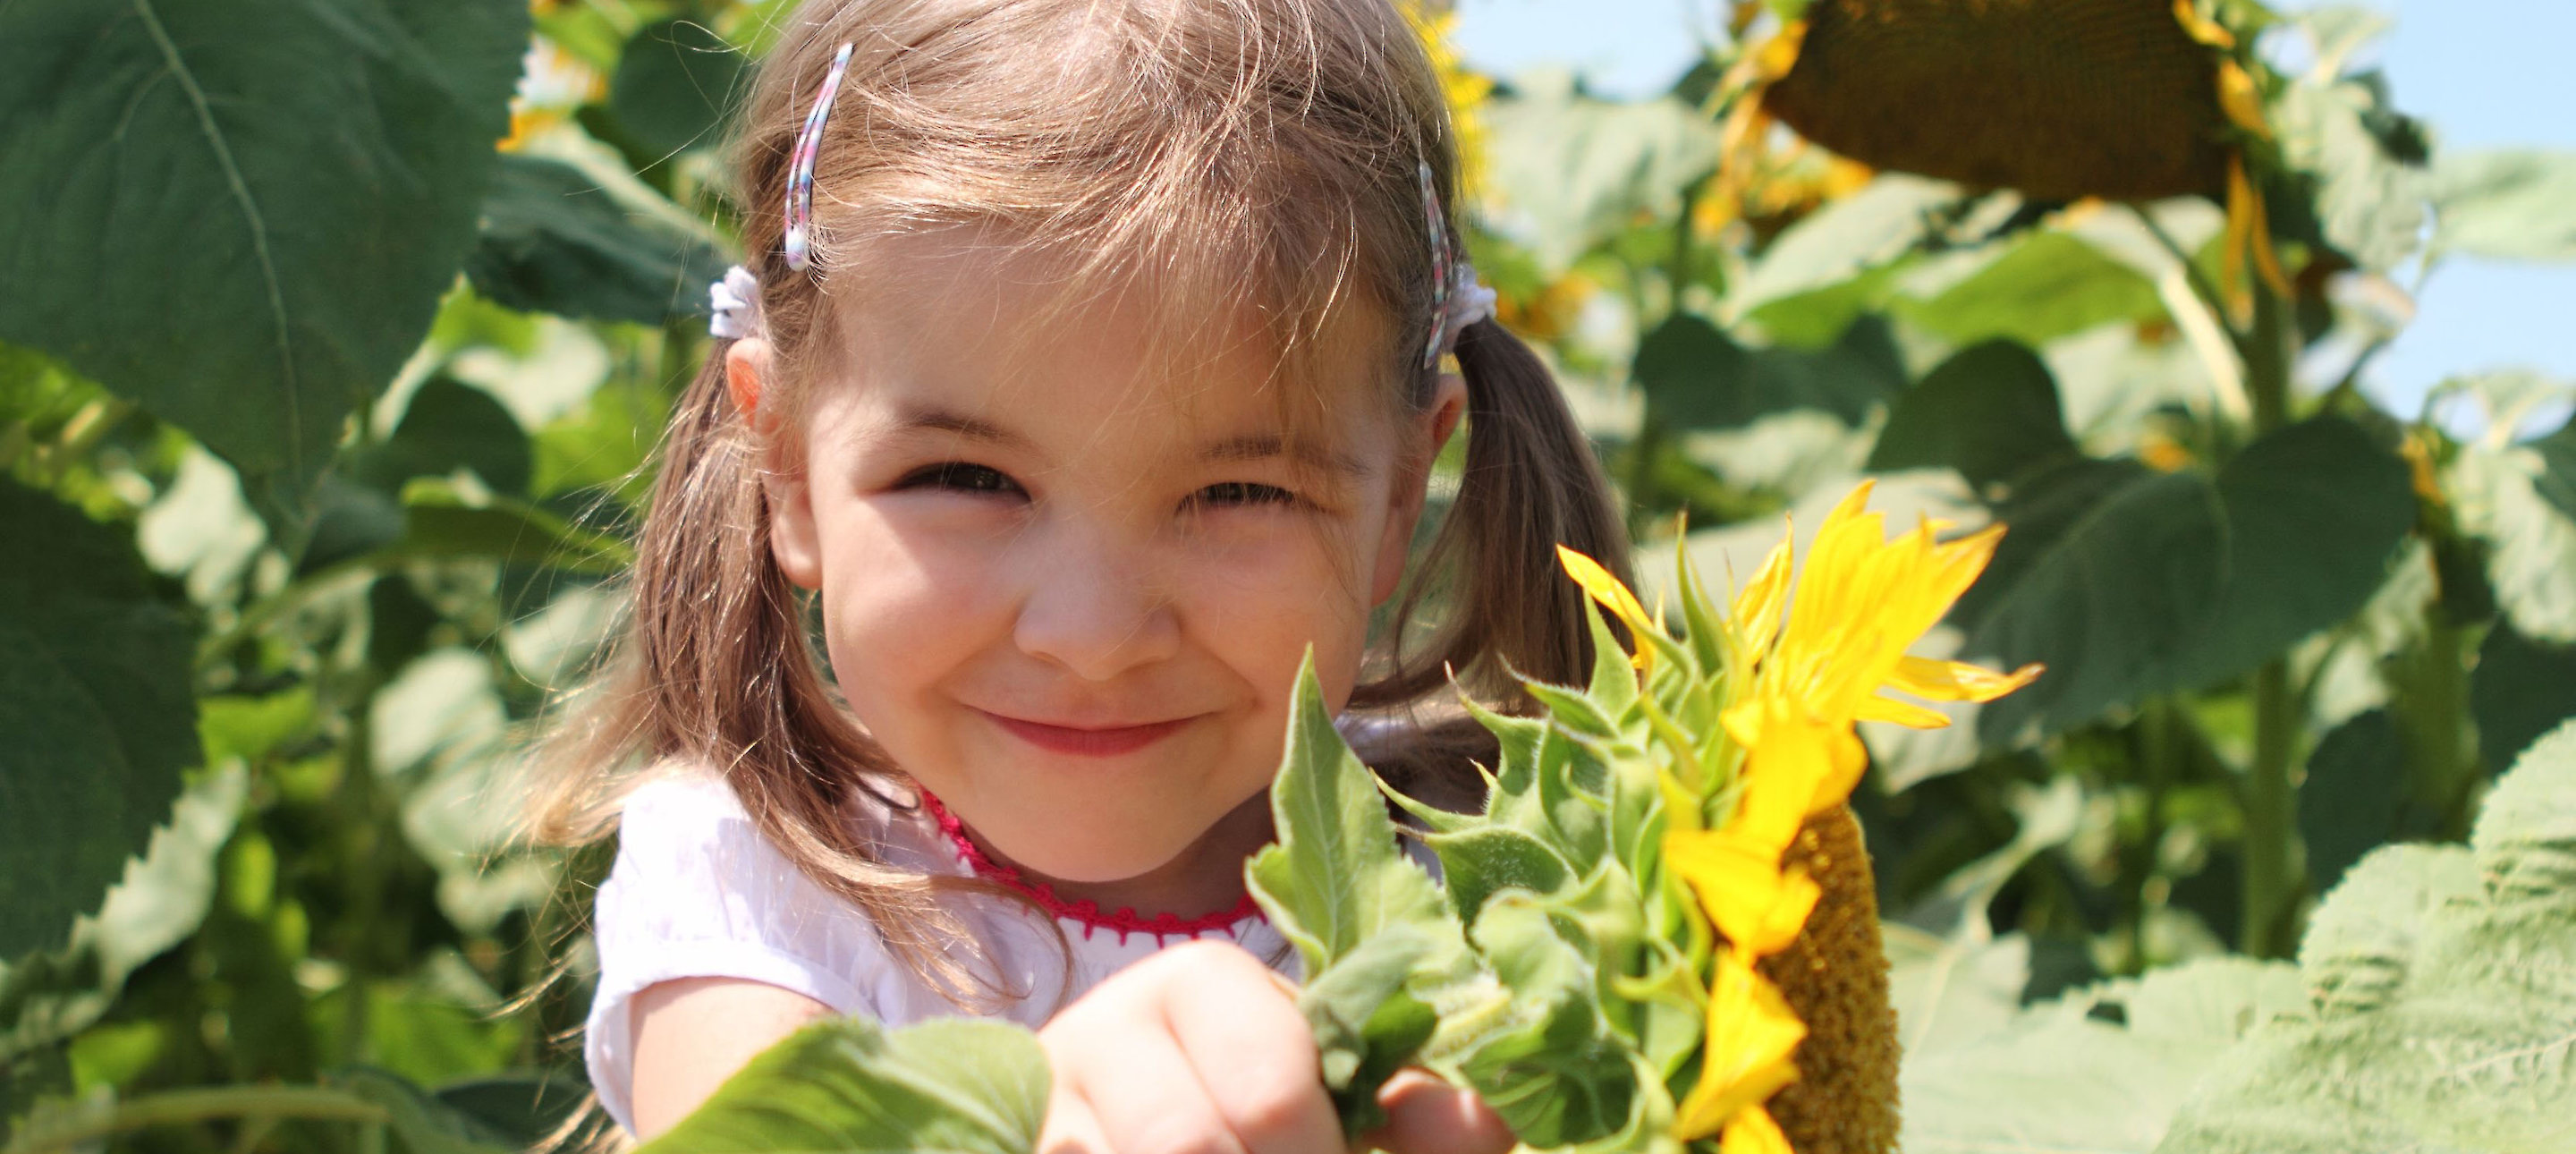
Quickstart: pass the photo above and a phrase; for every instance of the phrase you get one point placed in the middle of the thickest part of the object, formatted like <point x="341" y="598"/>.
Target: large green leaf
<point x="2048" y="286"/>
<point x="2447" y="1016"/>
<point x="95" y="697"/>
<point x="162" y="898"/>
<point x="2366" y="162"/>
<point x="2523" y="687"/>
<point x="2315" y="512"/>
<point x="1570" y="172"/>
<point x="955" y="1085"/>
<point x="555" y="241"/>
<point x="1696" y="377"/>
<point x="242" y="214"/>
<point x="676" y="82"/>
<point x="1990" y="411"/>
<point x="2105" y="571"/>
<point x="2125" y="581"/>
<point x="1845" y="239"/>
<point x="2101" y="1070"/>
<point x="2508" y="204"/>
<point x="2503" y="497"/>
<point x="2354" y="795"/>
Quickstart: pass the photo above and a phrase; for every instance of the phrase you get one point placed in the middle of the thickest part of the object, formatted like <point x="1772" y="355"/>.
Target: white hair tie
<point x="736" y="301"/>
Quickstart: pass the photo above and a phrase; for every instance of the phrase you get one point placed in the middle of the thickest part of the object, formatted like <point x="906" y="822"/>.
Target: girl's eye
<point x="1245" y="493"/>
<point x="960" y="476"/>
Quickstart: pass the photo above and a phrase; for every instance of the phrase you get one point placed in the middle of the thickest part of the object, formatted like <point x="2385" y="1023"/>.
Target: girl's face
<point x="1067" y="590"/>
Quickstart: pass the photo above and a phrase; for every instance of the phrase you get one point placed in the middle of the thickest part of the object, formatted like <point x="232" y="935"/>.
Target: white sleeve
<point x="697" y="892"/>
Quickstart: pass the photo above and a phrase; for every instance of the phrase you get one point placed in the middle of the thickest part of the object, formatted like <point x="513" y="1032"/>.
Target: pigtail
<point x="1531" y="482"/>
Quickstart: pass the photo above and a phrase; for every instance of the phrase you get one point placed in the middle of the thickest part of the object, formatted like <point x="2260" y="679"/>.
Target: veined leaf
<point x="1335" y="877"/>
<point x="242" y="214"/>
<point x="957" y="1085"/>
<point x="2448" y="986"/>
<point x="95" y="698"/>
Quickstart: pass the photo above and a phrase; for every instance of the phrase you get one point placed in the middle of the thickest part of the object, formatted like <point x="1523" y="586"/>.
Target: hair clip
<point x="734" y="304"/>
<point x="1457" y="299"/>
<point x="800" y="172"/>
<point x="1439" y="230"/>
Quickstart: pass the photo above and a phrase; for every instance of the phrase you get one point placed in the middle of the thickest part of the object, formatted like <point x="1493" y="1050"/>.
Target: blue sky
<point x="2485" y="73"/>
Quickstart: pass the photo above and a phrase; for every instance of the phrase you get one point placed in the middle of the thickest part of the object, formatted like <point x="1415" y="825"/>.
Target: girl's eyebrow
<point x="1253" y="447"/>
<point x="1262" y="446"/>
<point x="951" y="421"/>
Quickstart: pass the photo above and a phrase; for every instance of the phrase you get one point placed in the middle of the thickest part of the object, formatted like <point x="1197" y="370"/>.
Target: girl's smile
<point x="1089" y="740"/>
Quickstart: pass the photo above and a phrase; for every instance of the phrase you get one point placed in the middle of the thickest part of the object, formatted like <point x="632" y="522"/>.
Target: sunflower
<point x="1800" y="672"/>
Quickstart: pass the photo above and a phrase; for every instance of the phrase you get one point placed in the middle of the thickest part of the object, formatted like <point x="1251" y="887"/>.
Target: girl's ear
<point x="793" y="542"/>
<point x="1424" y="436"/>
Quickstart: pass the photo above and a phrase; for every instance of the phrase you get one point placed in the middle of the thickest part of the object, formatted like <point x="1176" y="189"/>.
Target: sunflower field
<point x="2003" y="354"/>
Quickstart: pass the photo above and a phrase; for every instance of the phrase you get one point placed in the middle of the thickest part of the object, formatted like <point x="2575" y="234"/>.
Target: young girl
<point x="1084" y="375"/>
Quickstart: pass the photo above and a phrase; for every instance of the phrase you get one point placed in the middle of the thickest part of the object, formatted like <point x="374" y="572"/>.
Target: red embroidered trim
<point x="1086" y="912"/>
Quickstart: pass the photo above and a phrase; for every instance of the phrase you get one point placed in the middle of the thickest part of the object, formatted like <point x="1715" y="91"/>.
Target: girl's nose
<point x="1096" y="608"/>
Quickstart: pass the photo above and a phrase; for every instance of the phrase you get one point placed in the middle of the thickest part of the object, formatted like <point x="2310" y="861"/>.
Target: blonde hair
<point x="1246" y="157"/>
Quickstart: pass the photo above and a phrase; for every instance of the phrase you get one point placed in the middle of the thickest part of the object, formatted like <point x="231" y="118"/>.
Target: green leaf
<point x="2523" y="687"/>
<point x="2101" y="1070"/>
<point x="423" y="1123"/>
<point x="1550" y="1071"/>
<point x="2367" y="163"/>
<point x="2125" y="581"/>
<point x="1845" y="240"/>
<point x="2448" y="998"/>
<point x="95" y="680"/>
<point x="676" y="82"/>
<point x="2315" y="513"/>
<point x="2506" y="204"/>
<point x="1572" y="172"/>
<point x="1335" y="877"/>
<point x="554" y="241"/>
<point x="2502" y="497"/>
<point x="1990" y="412"/>
<point x="2354" y="795"/>
<point x="1367" y="1026"/>
<point x="957" y="1085"/>
<point x="242" y="214"/>
<point x="2048" y="286"/>
<point x="162" y="898"/>
<point x="2106" y="569"/>
<point x="440" y="521"/>
<point x="448" y="426"/>
<point x="1476" y="863"/>
<point x="1696" y="377"/>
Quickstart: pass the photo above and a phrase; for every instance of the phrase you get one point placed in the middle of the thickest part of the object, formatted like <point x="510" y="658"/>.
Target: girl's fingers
<point x="1428" y="1116"/>
<point x="1254" y="1053"/>
<point x="1114" y="1051"/>
<point x="1070" y="1127"/>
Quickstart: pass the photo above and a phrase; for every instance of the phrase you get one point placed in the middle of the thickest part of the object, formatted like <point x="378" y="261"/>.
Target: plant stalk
<point x="180" y="1107"/>
<point x="2274" y="875"/>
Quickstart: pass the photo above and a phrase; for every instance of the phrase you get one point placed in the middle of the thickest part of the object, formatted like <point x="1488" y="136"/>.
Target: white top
<point x="697" y="892"/>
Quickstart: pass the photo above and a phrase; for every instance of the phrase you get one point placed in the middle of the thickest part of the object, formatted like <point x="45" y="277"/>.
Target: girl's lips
<point x="1089" y="742"/>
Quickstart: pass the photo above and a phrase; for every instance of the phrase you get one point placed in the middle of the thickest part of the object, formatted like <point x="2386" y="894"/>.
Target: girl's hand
<point x="1199" y="1049"/>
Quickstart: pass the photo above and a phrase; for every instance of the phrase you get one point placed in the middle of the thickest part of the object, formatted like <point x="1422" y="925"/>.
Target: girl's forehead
<point x="966" y="325"/>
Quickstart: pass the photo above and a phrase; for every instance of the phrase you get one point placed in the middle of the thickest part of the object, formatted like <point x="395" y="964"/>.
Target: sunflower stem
<point x="2274" y="877"/>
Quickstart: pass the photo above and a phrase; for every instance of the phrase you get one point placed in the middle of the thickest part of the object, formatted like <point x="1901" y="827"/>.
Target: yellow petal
<point x="1741" y="887"/>
<point x="1613" y="596"/>
<point x="1746" y="1056"/>
<point x="1754" y="1131"/>
<point x="1905" y="713"/>
<point x="1758" y="605"/>
<point x="2241" y="99"/>
<point x="2202" y="28"/>
<point x="1957" y="680"/>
